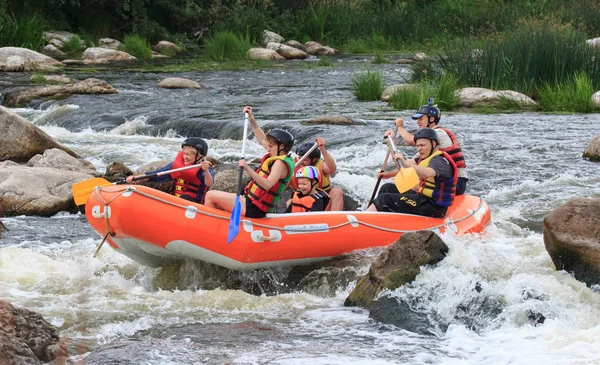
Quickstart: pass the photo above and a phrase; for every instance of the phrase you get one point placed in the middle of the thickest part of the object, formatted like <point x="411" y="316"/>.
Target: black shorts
<point x="252" y="210"/>
<point x="409" y="203"/>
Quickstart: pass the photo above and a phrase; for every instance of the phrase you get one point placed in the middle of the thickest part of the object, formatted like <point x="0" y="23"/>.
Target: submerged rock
<point x="572" y="238"/>
<point x="592" y="151"/>
<point x="179" y="83"/>
<point x="331" y="119"/>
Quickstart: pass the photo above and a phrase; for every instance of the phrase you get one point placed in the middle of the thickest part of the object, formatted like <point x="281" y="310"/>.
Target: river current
<point x="112" y="311"/>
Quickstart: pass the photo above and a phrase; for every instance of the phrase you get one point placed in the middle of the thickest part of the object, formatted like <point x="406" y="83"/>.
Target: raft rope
<point x="266" y="226"/>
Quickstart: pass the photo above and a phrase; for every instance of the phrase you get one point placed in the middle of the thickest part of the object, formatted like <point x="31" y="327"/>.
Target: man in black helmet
<point x="190" y="184"/>
<point x="268" y="182"/>
<point x="428" y="116"/>
<point x="437" y="181"/>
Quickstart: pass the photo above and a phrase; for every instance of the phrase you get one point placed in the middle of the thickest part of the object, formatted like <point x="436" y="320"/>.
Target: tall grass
<point x="227" y="46"/>
<point x="137" y="46"/>
<point x="26" y="32"/>
<point x="571" y="95"/>
<point x="442" y="90"/>
<point x="74" y="46"/>
<point x="367" y="85"/>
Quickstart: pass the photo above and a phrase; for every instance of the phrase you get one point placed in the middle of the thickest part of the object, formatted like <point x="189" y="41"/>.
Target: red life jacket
<point x="261" y="198"/>
<point x="442" y="191"/>
<point x="186" y="182"/>
<point x="303" y="203"/>
<point x="454" y="151"/>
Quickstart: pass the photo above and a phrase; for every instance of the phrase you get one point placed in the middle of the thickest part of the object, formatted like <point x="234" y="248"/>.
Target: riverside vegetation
<point x="536" y="47"/>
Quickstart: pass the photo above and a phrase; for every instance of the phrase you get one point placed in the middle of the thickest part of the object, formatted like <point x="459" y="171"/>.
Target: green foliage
<point x="410" y="97"/>
<point x="74" y="46"/>
<point x="379" y="59"/>
<point x="571" y="95"/>
<point x="24" y="32"/>
<point x="442" y="90"/>
<point x="324" y="61"/>
<point x="137" y="46"/>
<point x="367" y="85"/>
<point x="38" y="78"/>
<point x="227" y="46"/>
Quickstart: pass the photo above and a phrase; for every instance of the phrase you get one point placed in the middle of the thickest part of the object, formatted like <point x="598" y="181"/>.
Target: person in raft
<point x="191" y="184"/>
<point x="437" y="174"/>
<point x="428" y="116"/>
<point x="322" y="160"/>
<point x="308" y="197"/>
<point x="268" y="181"/>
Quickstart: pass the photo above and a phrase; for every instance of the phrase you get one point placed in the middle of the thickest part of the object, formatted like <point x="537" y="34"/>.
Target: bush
<point x="367" y="85"/>
<point x="74" y="46"/>
<point x="227" y="46"/>
<point x="137" y="46"/>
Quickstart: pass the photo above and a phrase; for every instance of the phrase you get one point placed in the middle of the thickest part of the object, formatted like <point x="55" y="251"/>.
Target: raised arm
<point x="329" y="166"/>
<point x="407" y="137"/>
<point x="261" y="137"/>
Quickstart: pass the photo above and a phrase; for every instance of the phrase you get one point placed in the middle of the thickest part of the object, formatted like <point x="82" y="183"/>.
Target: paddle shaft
<point x="306" y="155"/>
<point x="392" y="147"/>
<point x="385" y="161"/>
<point x="245" y="135"/>
<point x="146" y="176"/>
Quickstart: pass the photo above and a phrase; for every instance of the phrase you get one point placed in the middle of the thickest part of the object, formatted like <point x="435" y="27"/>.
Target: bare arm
<point x="329" y="166"/>
<point x="261" y="137"/>
<point x="407" y="137"/>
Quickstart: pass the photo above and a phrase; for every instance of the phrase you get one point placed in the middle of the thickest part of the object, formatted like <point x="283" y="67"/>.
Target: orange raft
<point x="149" y="226"/>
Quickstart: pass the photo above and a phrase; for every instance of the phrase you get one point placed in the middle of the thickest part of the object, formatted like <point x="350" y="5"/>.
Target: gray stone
<point x="59" y="159"/>
<point x="331" y="119"/>
<point x="179" y="83"/>
<point x="269" y="36"/>
<point x="592" y="151"/>
<point x="264" y="54"/>
<point x="167" y="46"/>
<point x="112" y="55"/>
<point x="288" y="52"/>
<point x="316" y="49"/>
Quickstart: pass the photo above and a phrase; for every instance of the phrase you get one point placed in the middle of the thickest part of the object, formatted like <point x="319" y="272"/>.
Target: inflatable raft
<point x="150" y="226"/>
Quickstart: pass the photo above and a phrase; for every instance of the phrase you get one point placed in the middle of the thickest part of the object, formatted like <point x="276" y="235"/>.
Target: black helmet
<point x="283" y="137"/>
<point x="198" y="143"/>
<point x="304" y="147"/>
<point x="429" y="110"/>
<point x="426" y="133"/>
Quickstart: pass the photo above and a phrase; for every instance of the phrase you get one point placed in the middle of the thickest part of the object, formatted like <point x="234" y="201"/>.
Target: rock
<point x="269" y="36"/>
<point x="33" y="61"/>
<point x="592" y="151"/>
<point x="101" y="61"/>
<point x="472" y="96"/>
<point x="331" y="119"/>
<point x="594" y="42"/>
<point x="54" y="79"/>
<point x="572" y="238"/>
<point x="18" y="97"/>
<point x="20" y="140"/>
<point x="179" y="83"/>
<point x="158" y="55"/>
<point x="386" y="95"/>
<point x="26" y="338"/>
<point x="111" y="55"/>
<point x="420" y="56"/>
<point x="226" y="179"/>
<point x="169" y="47"/>
<point x="296" y="44"/>
<point x="289" y="53"/>
<point x="2" y="230"/>
<point x="59" y="159"/>
<point x="316" y="49"/>
<point x="15" y="64"/>
<point x="264" y="54"/>
<point x="399" y="264"/>
<point x="109" y="43"/>
<point x="51" y="50"/>
<point x="39" y="191"/>
<point x="117" y="171"/>
<point x="58" y="34"/>
<point x="596" y="99"/>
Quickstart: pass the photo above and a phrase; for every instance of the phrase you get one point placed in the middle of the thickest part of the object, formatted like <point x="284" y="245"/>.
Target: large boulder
<point x="32" y="60"/>
<point x="592" y="151"/>
<point x="296" y="44"/>
<point x="117" y="171"/>
<point x="59" y="159"/>
<point x="399" y="264"/>
<point x="316" y="49"/>
<point x="112" y="55"/>
<point x="20" y="96"/>
<point x="264" y="54"/>
<point x="179" y="83"/>
<point x="20" y="140"/>
<point x="572" y="238"/>
<point x="473" y="96"/>
<point x="167" y="47"/>
<point x="596" y="99"/>
<point x="288" y="52"/>
<point x="109" y="43"/>
<point x="26" y="338"/>
<point x="39" y="191"/>
<point x="269" y="36"/>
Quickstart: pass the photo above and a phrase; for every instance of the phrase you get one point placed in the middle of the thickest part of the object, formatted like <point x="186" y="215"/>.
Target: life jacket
<point x="186" y="182"/>
<point x="325" y="183"/>
<point x="442" y="191"/>
<point x="263" y="199"/>
<point x="303" y="203"/>
<point x="454" y="151"/>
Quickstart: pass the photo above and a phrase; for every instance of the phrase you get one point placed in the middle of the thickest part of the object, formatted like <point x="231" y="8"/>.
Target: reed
<point x="227" y="46"/>
<point x="572" y="95"/>
<point x="26" y="32"/>
<point x="367" y="85"/>
<point x="442" y="90"/>
<point x="137" y="46"/>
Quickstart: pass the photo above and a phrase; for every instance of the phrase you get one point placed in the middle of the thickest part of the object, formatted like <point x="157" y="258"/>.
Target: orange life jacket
<point x="303" y="203"/>
<point x="454" y="151"/>
<point x="261" y="198"/>
<point x="442" y="191"/>
<point x="186" y="182"/>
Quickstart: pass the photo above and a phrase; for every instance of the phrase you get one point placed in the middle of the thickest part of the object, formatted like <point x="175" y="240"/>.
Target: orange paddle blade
<point x="406" y="179"/>
<point x="83" y="189"/>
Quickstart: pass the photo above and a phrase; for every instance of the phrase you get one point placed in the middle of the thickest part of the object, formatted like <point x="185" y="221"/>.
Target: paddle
<point x="83" y="189"/>
<point x="385" y="161"/>
<point x="306" y="155"/>
<point x="407" y="177"/>
<point x="236" y="213"/>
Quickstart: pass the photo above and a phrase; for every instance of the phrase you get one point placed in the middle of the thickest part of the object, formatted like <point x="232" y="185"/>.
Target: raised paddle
<point x="236" y="213"/>
<point x="83" y="189"/>
<point x="407" y="177"/>
<point x="306" y="155"/>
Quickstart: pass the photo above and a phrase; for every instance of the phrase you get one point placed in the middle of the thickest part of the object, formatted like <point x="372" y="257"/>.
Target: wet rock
<point x="316" y="49"/>
<point x="331" y="119"/>
<point x="179" y="83"/>
<point x="296" y="44"/>
<point x="109" y="43"/>
<point x="2" y="226"/>
<point x="572" y="238"/>
<point x="269" y="36"/>
<point x="264" y="54"/>
<point x="117" y="171"/>
<point x="226" y="180"/>
<point x="165" y="46"/>
<point x="59" y="159"/>
<point x="101" y="61"/>
<point x="32" y="61"/>
<point x="399" y="264"/>
<point x="387" y="93"/>
<point x="288" y="52"/>
<point x="26" y="338"/>
<point x="390" y="310"/>
<point x="20" y="140"/>
<point x="472" y="96"/>
<point x="592" y="151"/>
<point x="112" y="55"/>
<point x="51" y="50"/>
<point x="19" y="96"/>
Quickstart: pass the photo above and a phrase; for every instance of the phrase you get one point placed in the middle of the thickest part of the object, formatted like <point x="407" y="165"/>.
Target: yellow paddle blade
<point x="83" y="189"/>
<point x="406" y="179"/>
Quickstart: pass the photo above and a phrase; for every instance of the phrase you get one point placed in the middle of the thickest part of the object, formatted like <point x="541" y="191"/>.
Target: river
<point x="110" y="310"/>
